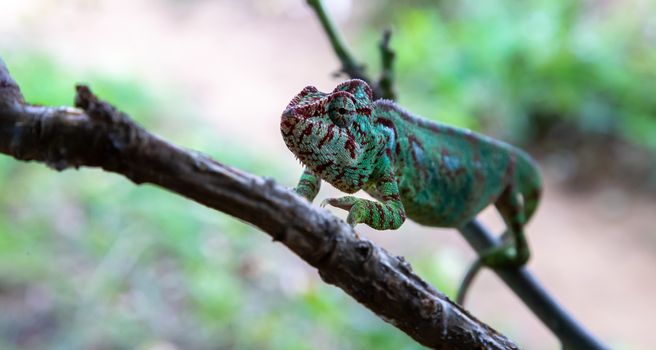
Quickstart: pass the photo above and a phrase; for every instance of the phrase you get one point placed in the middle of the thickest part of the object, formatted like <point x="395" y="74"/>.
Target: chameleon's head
<point x="331" y="133"/>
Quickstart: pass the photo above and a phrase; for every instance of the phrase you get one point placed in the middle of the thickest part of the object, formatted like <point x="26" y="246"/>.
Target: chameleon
<point x="434" y="174"/>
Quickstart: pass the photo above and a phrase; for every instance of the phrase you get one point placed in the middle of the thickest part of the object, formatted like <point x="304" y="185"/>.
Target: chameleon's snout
<point x="288" y="113"/>
<point x="288" y="121"/>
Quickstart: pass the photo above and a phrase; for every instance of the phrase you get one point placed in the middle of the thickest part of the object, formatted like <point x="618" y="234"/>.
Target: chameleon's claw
<point x="300" y="192"/>
<point x="351" y="220"/>
<point x="505" y="256"/>
<point x="343" y="203"/>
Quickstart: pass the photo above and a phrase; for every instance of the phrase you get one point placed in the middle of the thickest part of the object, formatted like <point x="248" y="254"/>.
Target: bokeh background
<point x="88" y="260"/>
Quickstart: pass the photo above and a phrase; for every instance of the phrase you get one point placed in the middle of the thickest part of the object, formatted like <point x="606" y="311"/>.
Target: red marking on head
<point x="356" y="127"/>
<point x="287" y="127"/>
<point x="306" y="91"/>
<point x="366" y="111"/>
<point x="353" y="85"/>
<point x="328" y="136"/>
<point x="306" y="131"/>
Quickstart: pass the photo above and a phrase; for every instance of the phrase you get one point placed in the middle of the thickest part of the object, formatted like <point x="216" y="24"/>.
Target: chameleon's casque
<point x="434" y="174"/>
<point x="333" y="134"/>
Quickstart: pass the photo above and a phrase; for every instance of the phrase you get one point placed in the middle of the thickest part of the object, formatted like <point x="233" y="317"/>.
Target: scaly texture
<point x="434" y="174"/>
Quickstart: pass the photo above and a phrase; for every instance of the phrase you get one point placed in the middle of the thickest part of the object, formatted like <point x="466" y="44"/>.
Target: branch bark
<point x="97" y="135"/>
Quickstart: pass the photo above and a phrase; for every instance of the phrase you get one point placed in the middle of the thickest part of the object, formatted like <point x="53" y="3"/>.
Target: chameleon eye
<point x="341" y="117"/>
<point x="341" y="111"/>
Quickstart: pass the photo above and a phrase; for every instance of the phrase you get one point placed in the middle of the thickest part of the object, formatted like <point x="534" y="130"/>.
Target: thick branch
<point x="98" y="135"/>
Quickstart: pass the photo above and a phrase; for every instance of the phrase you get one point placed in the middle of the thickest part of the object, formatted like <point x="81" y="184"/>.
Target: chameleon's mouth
<point x="303" y="106"/>
<point x="288" y="122"/>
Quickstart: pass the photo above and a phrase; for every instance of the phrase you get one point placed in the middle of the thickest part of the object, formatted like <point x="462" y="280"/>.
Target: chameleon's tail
<point x="529" y="182"/>
<point x="472" y="271"/>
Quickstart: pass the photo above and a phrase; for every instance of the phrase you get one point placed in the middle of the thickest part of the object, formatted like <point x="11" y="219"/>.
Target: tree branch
<point x="350" y="66"/>
<point x="387" y="55"/>
<point x="97" y="135"/>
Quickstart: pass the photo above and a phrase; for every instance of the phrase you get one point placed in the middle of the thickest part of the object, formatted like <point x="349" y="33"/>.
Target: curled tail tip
<point x="467" y="280"/>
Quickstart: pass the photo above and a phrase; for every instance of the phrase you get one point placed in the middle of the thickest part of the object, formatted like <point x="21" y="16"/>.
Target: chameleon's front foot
<point x="380" y="216"/>
<point x="308" y="186"/>
<point x="346" y="203"/>
<point x="304" y="192"/>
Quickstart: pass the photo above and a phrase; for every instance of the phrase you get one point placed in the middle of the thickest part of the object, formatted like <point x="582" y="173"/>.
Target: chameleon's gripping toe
<point x="506" y="256"/>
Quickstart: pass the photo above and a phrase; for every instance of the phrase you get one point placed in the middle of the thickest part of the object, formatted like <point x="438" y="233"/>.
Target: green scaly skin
<point x="434" y="174"/>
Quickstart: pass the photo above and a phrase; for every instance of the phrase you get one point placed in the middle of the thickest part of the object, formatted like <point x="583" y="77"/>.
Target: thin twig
<point x="571" y="334"/>
<point x="386" y="81"/>
<point x="97" y="135"/>
<point x="349" y="65"/>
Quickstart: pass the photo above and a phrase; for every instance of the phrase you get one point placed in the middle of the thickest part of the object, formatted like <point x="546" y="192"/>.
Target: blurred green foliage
<point x="88" y="260"/>
<point x="570" y="75"/>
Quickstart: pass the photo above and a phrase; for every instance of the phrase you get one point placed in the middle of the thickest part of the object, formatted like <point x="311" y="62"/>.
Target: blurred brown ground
<point x="243" y="61"/>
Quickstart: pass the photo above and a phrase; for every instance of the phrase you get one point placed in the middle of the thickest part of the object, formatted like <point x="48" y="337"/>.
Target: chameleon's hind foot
<point x="504" y="256"/>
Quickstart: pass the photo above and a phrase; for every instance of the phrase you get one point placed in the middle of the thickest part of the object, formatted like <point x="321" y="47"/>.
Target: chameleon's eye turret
<point x="341" y="117"/>
<point x="341" y="110"/>
<point x="358" y="88"/>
